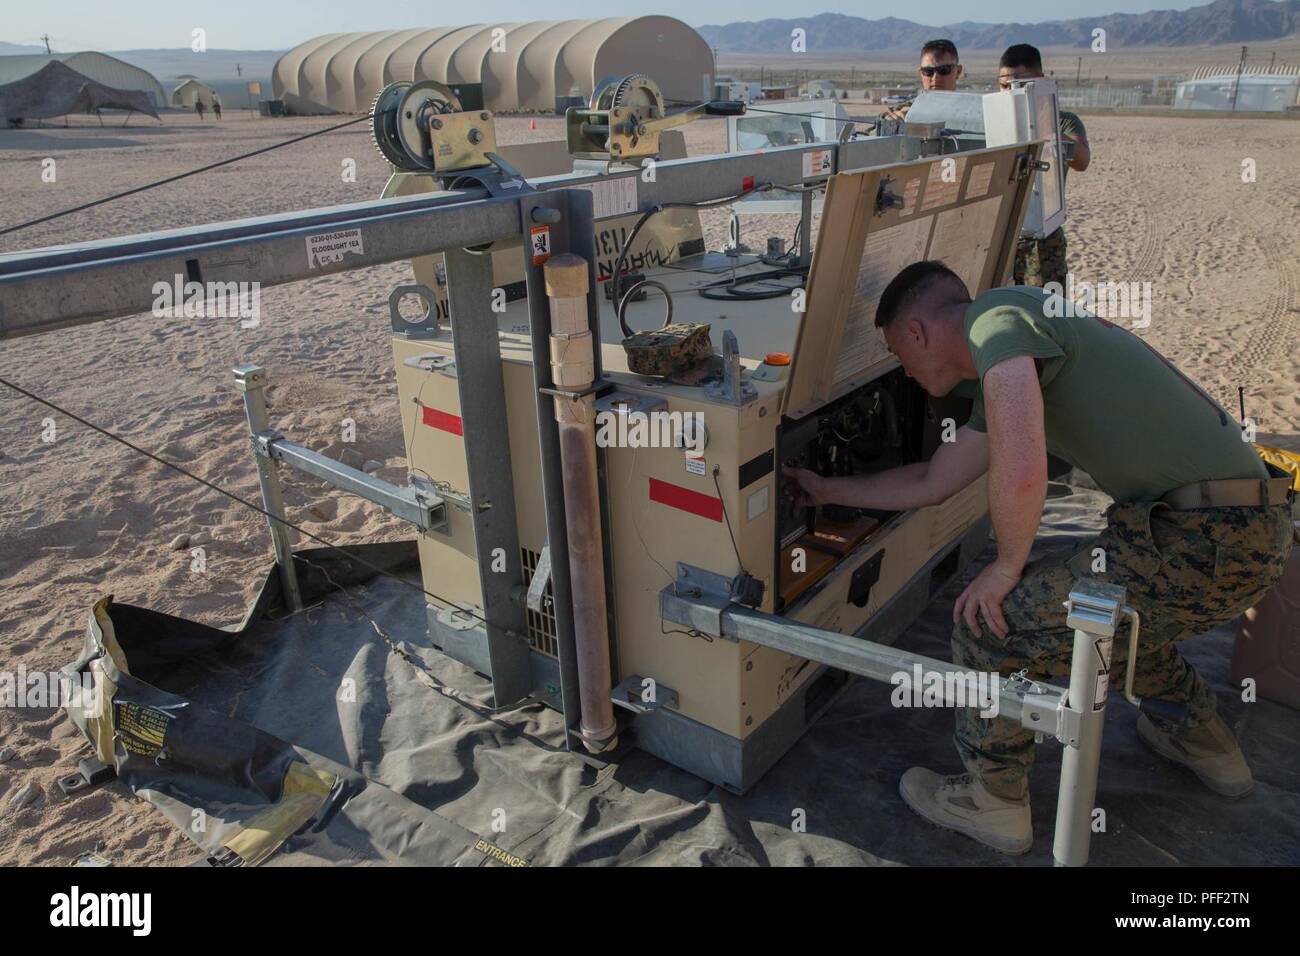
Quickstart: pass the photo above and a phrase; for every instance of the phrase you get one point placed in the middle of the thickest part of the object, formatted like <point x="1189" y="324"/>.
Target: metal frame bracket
<point x="697" y="598"/>
<point x="263" y="440"/>
<point x="630" y="695"/>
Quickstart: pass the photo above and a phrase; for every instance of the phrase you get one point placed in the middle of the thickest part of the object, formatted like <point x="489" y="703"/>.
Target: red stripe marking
<point x="444" y="421"/>
<point x="675" y="496"/>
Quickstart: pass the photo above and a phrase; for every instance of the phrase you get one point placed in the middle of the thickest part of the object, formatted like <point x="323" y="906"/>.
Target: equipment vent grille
<point x="541" y="624"/>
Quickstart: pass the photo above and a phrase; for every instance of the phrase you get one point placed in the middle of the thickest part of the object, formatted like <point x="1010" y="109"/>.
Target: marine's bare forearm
<point x="894" y="490"/>
<point x="1017" y="460"/>
<point x="954" y="466"/>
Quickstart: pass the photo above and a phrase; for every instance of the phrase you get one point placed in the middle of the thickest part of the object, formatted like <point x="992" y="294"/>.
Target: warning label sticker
<point x="695" y="466"/>
<point x="910" y="192"/>
<point x="612" y="197"/>
<point x="978" y="184"/>
<point x="1103" y="646"/>
<point x="541" y="244"/>
<point x="141" y="730"/>
<point x="944" y="183"/>
<point x="330" y="247"/>
<point x="817" y="162"/>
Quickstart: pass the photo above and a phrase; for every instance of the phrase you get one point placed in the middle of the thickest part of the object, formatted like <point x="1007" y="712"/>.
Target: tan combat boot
<point x="961" y="803"/>
<point x="1208" y="750"/>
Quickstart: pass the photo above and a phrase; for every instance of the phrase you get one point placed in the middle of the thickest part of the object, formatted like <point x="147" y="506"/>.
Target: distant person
<point x="1039" y="261"/>
<point x="216" y="107"/>
<point x="939" y="70"/>
<point x="200" y="108"/>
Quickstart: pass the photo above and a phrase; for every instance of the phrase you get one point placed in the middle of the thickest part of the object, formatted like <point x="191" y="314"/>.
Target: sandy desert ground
<point x="81" y="517"/>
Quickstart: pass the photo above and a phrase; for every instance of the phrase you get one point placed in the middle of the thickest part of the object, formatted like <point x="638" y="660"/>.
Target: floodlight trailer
<point x="481" y="206"/>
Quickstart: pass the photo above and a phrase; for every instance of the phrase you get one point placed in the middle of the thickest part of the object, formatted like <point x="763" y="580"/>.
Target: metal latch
<point x="539" y="581"/>
<point x="1026" y="166"/>
<point x="886" y="198"/>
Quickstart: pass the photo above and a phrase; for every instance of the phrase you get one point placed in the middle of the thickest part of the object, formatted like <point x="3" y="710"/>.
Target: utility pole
<point x="1078" y="68"/>
<point x="46" y="38"/>
<point x="1237" y="86"/>
<point x="239" y="70"/>
<point x="1271" y="60"/>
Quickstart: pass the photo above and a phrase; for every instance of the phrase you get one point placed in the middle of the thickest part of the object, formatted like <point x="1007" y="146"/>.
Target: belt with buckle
<point x="1233" y="492"/>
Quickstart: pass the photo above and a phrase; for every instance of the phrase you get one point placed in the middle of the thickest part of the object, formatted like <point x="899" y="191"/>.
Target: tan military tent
<point x="191" y="92"/>
<point x="58" y="90"/>
<point x="519" y="65"/>
<point x="100" y="67"/>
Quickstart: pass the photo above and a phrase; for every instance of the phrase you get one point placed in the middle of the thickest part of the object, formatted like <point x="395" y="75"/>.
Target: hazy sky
<point x="277" y="24"/>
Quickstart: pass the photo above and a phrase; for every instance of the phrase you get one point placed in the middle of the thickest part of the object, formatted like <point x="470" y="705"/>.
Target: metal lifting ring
<point x="627" y="297"/>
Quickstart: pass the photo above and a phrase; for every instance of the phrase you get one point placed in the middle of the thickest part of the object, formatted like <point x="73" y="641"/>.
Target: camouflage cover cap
<point x="670" y="349"/>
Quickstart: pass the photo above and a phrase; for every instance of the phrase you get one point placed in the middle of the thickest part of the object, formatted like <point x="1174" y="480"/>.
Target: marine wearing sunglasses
<point x="939" y="70"/>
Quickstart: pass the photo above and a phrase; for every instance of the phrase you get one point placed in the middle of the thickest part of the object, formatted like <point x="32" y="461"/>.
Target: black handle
<point x="724" y="108"/>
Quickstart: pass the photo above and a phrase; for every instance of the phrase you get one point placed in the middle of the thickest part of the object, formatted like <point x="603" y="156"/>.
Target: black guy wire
<point x="234" y="497"/>
<point x="172" y="179"/>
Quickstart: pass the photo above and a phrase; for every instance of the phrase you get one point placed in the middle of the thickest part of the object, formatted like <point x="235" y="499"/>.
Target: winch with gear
<point x="421" y="128"/>
<point x="624" y="118"/>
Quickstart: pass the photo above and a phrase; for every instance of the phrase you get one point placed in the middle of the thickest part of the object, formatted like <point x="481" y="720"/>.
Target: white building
<point x="1267" y="93"/>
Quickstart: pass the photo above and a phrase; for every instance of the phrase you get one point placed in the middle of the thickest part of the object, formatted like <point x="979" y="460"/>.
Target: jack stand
<point x="1094" y="611"/>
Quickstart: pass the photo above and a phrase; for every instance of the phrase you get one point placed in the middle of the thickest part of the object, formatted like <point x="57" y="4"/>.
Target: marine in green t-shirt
<point x="1096" y="394"/>
<point x="1112" y="405"/>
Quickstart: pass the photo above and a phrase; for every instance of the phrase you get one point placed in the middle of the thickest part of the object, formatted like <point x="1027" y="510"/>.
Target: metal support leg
<point x="569" y="214"/>
<point x="251" y="380"/>
<point x="482" y="389"/>
<point x="1094" y="611"/>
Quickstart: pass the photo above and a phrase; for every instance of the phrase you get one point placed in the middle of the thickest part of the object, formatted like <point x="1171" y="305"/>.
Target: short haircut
<point x="1022" y="54"/>
<point x="914" y="281"/>
<point x="940" y="48"/>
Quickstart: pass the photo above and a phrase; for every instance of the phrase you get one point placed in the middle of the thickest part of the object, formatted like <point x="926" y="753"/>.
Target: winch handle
<point x="725" y="108"/>
<point x="1164" y="709"/>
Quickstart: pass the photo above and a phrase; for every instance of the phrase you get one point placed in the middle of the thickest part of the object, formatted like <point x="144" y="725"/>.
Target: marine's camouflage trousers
<point x="1040" y="261"/>
<point x="1185" y="572"/>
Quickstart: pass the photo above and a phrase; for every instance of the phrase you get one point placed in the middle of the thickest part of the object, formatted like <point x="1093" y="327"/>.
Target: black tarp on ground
<point x="419" y="728"/>
<point x="237" y="791"/>
<point x="59" y="90"/>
